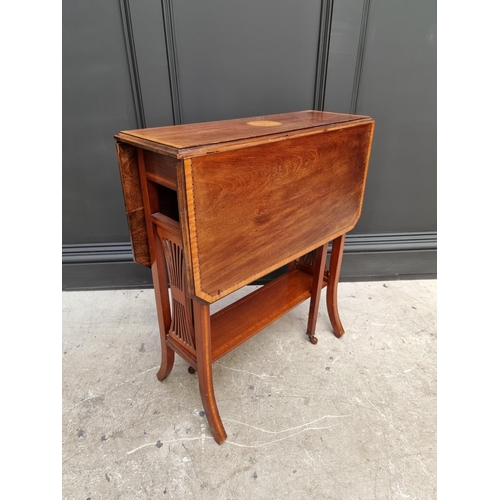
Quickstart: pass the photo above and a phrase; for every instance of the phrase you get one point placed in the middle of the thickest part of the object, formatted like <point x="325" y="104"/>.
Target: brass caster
<point x="191" y="370"/>
<point x="313" y="339"/>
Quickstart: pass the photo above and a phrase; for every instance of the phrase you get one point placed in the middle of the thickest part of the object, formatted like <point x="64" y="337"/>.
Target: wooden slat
<point x="172" y="226"/>
<point x="161" y="169"/>
<point x="246" y="317"/>
<point x="182" y="351"/>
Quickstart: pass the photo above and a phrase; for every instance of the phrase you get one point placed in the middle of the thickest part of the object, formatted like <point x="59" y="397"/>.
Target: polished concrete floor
<point x="345" y="419"/>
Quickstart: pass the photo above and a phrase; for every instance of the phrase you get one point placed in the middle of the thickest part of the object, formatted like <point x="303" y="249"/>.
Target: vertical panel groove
<point x="325" y="28"/>
<point x="171" y="49"/>
<point x="132" y="63"/>
<point x="360" y="56"/>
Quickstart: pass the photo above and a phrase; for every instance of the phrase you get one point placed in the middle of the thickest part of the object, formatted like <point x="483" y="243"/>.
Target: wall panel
<point x="398" y="89"/>
<point x="134" y="63"/>
<point x="240" y="58"/>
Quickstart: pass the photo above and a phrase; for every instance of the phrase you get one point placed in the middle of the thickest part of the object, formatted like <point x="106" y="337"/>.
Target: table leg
<point x="332" y="288"/>
<point x="159" y="272"/>
<point x="317" y="286"/>
<point x="203" y="336"/>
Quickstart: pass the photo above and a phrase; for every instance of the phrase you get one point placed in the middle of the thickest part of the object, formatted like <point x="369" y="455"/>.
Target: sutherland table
<point x="214" y="206"/>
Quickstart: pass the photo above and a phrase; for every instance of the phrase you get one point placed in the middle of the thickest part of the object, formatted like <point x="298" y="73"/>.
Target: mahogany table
<point x="214" y="206"/>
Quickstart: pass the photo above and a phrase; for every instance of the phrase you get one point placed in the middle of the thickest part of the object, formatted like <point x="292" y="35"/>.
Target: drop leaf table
<point x="214" y="206"/>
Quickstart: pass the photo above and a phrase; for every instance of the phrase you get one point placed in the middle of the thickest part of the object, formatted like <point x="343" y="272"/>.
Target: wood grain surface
<point x="239" y="321"/>
<point x="161" y="169"/>
<point x="134" y="204"/>
<point x="250" y="211"/>
<point x="202" y="138"/>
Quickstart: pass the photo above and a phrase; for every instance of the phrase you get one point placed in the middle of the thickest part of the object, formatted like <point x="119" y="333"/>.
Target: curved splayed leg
<point x="159" y="272"/>
<point x="201" y="313"/>
<point x="317" y="285"/>
<point x="167" y="362"/>
<point x="332" y="288"/>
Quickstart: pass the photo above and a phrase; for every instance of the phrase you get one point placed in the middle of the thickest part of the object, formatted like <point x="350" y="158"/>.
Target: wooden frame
<point x="212" y="207"/>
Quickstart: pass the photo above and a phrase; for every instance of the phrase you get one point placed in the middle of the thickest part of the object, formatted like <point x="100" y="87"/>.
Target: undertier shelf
<point x="241" y="320"/>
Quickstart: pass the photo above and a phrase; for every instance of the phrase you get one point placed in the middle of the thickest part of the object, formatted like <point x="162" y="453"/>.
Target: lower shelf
<point x="246" y="317"/>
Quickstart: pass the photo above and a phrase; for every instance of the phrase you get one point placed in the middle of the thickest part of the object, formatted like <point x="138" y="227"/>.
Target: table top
<point x="248" y="211"/>
<point x="255" y="193"/>
<point x="207" y="137"/>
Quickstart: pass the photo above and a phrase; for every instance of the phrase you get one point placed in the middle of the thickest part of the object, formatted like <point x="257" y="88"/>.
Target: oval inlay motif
<point x="264" y="123"/>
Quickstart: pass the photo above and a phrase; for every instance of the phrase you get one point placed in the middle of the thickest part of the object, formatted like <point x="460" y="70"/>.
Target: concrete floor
<point x="345" y="419"/>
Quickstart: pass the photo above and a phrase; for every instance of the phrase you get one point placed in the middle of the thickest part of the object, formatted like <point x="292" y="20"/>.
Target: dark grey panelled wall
<point x="398" y="87"/>
<point x="145" y="63"/>
<point x="97" y="101"/>
<point x="240" y="58"/>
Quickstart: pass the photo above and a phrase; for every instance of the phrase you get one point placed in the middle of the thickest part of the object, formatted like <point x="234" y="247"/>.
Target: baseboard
<point x="373" y="257"/>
